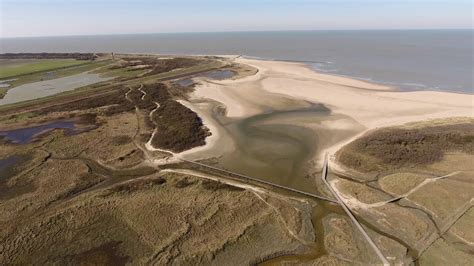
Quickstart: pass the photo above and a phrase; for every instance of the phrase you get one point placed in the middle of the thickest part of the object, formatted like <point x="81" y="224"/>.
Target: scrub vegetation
<point x="394" y="148"/>
<point x="178" y="128"/>
<point x="423" y="173"/>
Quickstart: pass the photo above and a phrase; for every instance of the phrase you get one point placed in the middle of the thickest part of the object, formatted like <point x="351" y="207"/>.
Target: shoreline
<point x="395" y="86"/>
<point x="370" y="105"/>
<point x="409" y="110"/>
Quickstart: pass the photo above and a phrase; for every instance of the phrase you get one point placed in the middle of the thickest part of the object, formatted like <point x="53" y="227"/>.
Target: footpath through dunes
<point x="419" y="171"/>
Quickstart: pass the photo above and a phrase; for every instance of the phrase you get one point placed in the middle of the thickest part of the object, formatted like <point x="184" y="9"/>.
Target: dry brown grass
<point x="149" y="220"/>
<point x="345" y="242"/>
<point x="400" y="183"/>
<point x="361" y="192"/>
<point x="413" y="227"/>
<point x="442" y="253"/>
<point x="395" y="148"/>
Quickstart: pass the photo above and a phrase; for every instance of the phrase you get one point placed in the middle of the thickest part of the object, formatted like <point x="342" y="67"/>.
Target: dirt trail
<point x="355" y="203"/>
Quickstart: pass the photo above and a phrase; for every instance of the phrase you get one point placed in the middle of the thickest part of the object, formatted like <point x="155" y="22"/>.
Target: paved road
<point x="349" y="213"/>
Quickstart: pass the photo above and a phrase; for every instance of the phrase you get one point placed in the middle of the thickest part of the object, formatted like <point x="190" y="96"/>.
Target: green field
<point x="58" y="73"/>
<point x="12" y="68"/>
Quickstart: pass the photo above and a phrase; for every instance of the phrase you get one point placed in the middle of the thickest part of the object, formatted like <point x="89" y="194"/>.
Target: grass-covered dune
<point x="393" y="148"/>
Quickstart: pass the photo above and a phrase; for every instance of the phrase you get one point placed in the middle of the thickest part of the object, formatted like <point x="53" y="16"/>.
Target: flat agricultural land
<point x="16" y="67"/>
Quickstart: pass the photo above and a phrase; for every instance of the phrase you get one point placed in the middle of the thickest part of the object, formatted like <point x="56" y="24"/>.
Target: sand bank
<point x="370" y="105"/>
<point x="217" y="143"/>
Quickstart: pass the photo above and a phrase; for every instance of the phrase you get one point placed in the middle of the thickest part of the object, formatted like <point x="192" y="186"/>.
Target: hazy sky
<point x="84" y="17"/>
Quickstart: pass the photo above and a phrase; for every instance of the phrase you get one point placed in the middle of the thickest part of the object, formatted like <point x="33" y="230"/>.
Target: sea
<point x="440" y="60"/>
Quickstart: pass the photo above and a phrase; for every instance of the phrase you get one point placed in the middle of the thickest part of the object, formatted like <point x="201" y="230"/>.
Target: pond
<point x="219" y="74"/>
<point x="27" y="134"/>
<point x="9" y="167"/>
<point x="6" y="83"/>
<point x="45" y="88"/>
<point x="6" y="165"/>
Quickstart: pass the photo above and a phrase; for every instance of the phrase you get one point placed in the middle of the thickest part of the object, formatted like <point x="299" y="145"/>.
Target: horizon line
<point x="237" y="31"/>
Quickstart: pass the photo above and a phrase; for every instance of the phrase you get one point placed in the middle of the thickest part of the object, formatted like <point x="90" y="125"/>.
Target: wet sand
<point x="371" y="105"/>
<point x="278" y="123"/>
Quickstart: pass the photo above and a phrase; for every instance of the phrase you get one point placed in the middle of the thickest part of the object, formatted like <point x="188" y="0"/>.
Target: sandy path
<point x="355" y="203"/>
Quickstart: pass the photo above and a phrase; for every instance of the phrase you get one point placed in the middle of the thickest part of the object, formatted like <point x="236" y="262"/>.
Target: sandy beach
<point x="353" y="104"/>
<point x="369" y="104"/>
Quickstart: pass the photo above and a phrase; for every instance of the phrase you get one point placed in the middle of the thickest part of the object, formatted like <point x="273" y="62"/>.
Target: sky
<point x="24" y="18"/>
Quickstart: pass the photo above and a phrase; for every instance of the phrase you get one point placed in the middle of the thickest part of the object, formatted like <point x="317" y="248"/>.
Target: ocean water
<point x="405" y="59"/>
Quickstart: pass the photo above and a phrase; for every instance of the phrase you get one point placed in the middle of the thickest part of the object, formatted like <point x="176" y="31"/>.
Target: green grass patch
<point x="58" y="73"/>
<point x="13" y="70"/>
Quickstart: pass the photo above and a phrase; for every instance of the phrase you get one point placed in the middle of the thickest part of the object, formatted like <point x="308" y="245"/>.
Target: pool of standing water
<point x="27" y="134"/>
